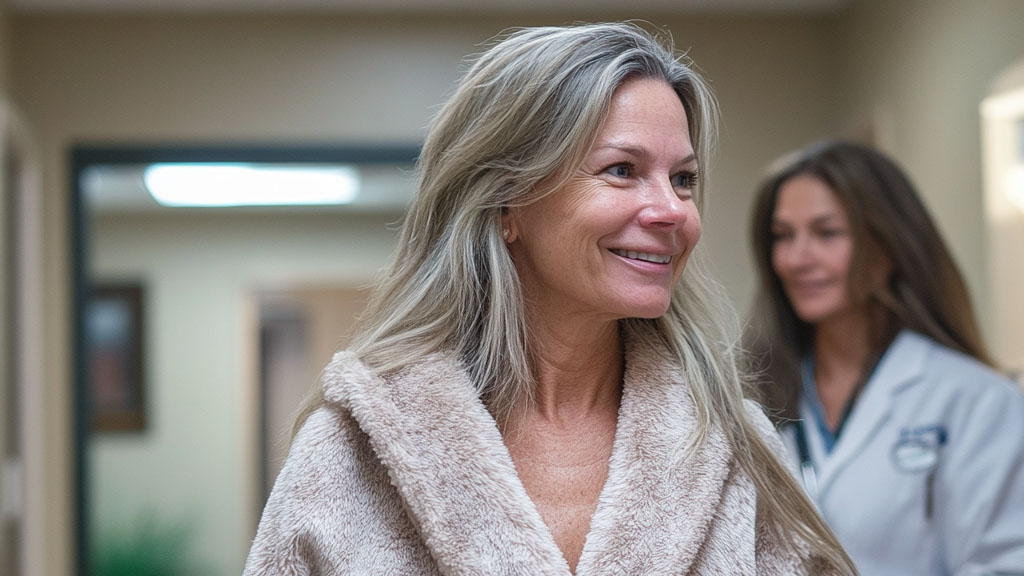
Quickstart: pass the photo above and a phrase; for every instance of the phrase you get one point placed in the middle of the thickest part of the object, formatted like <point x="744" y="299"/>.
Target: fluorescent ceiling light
<point x="223" y="184"/>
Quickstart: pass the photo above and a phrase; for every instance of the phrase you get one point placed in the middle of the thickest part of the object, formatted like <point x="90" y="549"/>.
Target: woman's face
<point x="812" y="247"/>
<point x="613" y="242"/>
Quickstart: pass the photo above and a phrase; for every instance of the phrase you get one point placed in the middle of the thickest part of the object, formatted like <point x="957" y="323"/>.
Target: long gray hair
<point x="518" y="126"/>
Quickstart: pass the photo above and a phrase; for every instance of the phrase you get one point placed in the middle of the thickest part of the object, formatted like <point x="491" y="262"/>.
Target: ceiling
<point x="119" y="189"/>
<point x="398" y="6"/>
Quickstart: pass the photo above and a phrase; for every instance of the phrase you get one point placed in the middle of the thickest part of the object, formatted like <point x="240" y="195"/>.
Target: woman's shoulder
<point x="328" y="427"/>
<point x="953" y="368"/>
<point x="344" y="375"/>
<point x="765" y="429"/>
<point x="329" y="455"/>
<point x="332" y="503"/>
<point x="757" y="416"/>
<point x="328" y="430"/>
<point x="329" y="444"/>
<point x="955" y="384"/>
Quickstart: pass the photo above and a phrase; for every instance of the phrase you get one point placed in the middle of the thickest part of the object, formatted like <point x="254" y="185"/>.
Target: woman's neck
<point x="578" y="369"/>
<point x="842" y="347"/>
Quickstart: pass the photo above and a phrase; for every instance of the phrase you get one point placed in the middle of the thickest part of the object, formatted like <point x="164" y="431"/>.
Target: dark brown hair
<point x="923" y="290"/>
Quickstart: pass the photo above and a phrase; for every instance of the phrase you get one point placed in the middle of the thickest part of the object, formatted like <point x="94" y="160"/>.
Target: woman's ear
<point x="509" y="230"/>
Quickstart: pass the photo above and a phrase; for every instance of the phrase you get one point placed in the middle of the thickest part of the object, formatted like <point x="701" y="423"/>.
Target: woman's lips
<point x="643" y="256"/>
<point x="809" y="286"/>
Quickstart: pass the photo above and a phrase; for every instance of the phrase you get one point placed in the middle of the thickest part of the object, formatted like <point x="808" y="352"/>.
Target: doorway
<point x="168" y="292"/>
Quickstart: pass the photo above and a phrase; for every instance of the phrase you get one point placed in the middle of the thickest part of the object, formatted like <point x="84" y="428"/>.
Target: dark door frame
<point x="83" y="156"/>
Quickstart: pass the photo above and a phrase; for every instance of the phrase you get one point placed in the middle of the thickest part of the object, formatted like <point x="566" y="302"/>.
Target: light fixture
<point x="213" y="184"/>
<point x="1015" y="186"/>
<point x="1015" y="174"/>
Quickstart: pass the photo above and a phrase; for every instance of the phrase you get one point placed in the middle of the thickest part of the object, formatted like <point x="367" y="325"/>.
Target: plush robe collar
<point x="446" y="457"/>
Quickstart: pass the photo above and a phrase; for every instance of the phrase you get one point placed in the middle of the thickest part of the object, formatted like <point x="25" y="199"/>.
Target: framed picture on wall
<point x="116" y="357"/>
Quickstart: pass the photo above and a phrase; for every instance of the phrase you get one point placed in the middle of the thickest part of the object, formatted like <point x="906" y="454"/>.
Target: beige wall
<point x="356" y="80"/>
<point x="158" y="80"/>
<point x="923" y="67"/>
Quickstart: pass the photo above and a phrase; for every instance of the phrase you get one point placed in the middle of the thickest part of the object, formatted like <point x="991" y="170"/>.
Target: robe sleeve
<point x="770" y="435"/>
<point x="779" y="553"/>
<point x="285" y="540"/>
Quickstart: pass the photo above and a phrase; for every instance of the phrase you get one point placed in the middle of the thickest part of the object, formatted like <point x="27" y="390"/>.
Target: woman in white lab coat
<point x="909" y="442"/>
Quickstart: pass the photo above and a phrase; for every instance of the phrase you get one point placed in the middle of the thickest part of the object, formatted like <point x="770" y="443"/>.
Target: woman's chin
<point x="649" y="310"/>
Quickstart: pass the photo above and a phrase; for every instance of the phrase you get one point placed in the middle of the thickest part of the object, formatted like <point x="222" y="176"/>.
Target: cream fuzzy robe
<point x="408" y="474"/>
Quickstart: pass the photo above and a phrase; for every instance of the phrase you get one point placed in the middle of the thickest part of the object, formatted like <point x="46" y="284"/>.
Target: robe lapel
<point x="901" y="365"/>
<point x="656" y="508"/>
<point x="447" y="460"/>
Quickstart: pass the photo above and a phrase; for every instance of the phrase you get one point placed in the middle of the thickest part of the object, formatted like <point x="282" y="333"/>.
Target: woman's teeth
<point x="656" y="258"/>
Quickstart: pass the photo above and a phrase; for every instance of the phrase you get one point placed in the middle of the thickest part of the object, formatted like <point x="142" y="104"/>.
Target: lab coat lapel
<point x="900" y="366"/>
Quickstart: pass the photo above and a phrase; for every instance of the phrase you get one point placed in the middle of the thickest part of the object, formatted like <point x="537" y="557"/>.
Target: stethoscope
<point x="921" y="451"/>
<point x="807" y="471"/>
<point x="909" y="454"/>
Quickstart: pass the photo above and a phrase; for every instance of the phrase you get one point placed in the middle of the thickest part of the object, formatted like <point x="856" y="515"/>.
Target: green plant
<point x="149" y="547"/>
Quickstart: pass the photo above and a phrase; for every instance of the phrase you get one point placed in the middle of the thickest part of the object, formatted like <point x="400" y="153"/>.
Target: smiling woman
<point x="812" y="249"/>
<point x="877" y="371"/>
<point x="613" y="242"/>
<point x="542" y="383"/>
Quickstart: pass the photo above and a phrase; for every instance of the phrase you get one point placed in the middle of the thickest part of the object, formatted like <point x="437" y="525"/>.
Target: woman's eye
<point x="687" y="180"/>
<point x="620" y="170"/>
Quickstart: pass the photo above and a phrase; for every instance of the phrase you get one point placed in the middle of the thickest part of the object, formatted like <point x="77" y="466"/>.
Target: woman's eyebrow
<point x="825" y="218"/>
<point x="639" y="151"/>
<point x="816" y="221"/>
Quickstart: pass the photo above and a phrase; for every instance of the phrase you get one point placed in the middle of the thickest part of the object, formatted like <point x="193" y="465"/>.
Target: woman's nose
<point x="797" y="252"/>
<point x="665" y="208"/>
